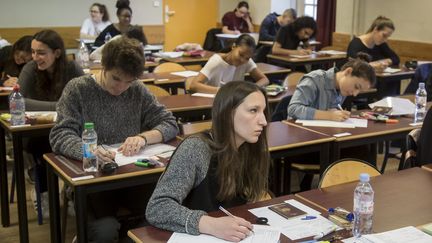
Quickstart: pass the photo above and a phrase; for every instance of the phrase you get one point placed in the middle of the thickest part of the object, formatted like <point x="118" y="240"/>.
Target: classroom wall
<point x="45" y="13"/>
<point x="411" y="18"/>
<point x="258" y="8"/>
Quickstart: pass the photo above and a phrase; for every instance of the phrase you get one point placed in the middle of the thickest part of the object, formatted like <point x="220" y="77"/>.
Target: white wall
<point x="279" y="6"/>
<point x="258" y="8"/>
<point x="49" y="13"/>
<point x="411" y="18"/>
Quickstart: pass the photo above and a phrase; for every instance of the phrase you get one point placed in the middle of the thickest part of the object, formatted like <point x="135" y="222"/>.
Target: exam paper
<point x="400" y="106"/>
<point x="147" y="152"/>
<point x="185" y="74"/>
<point x="392" y="70"/>
<point x="333" y="52"/>
<point x="173" y="54"/>
<point x="349" y="123"/>
<point x="204" y="95"/>
<point x="402" y="235"/>
<point x="262" y="234"/>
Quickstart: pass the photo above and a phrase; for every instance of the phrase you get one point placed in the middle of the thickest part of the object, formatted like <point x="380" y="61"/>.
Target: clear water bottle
<point x="363" y="207"/>
<point x="84" y="57"/>
<point x="420" y="100"/>
<point x="89" y="140"/>
<point x="17" y="107"/>
<point x="107" y="37"/>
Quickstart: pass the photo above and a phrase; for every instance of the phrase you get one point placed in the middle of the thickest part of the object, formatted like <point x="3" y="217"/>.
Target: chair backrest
<point x="168" y="67"/>
<point x="281" y="113"/>
<point x="293" y="78"/>
<point x="188" y="83"/>
<point x="346" y="170"/>
<point x="187" y="129"/>
<point x="156" y="90"/>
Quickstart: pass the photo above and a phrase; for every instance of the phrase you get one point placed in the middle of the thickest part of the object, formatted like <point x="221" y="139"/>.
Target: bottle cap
<point x="16" y="88"/>
<point x="364" y="177"/>
<point x="88" y="125"/>
<point x="421" y="85"/>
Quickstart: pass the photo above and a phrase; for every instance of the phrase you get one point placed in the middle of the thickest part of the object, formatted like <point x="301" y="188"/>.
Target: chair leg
<point x="286" y="178"/>
<point x="386" y="156"/>
<point x="306" y="183"/>
<point x="38" y="193"/>
<point x="64" y="213"/>
<point x="12" y="191"/>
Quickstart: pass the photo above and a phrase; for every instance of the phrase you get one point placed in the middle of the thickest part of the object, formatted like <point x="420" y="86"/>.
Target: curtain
<point x="326" y="21"/>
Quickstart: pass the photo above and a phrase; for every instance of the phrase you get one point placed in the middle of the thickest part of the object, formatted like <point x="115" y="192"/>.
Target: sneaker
<point x="44" y="203"/>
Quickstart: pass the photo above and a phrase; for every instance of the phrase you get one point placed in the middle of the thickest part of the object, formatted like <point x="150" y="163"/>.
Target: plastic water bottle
<point x="17" y="107"/>
<point x="84" y="57"/>
<point x="420" y="100"/>
<point x="107" y="37"/>
<point x="363" y="207"/>
<point x="89" y="140"/>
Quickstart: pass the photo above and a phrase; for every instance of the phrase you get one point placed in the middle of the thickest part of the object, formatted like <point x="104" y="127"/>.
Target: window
<point x="310" y="8"/>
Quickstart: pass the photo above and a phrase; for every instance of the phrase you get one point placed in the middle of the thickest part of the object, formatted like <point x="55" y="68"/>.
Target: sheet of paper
<point x="298" y="228"/>
<point x="402" y="235"/>
<point x="153" y="47"/>
<point x="392" y="70"/>
<point x="228" y="36"/>
<point x="6" y="88"/>
<point x="262" y="234"/>
<point x="301" y="56"/>
<point x="173" y="54"/>
<point x="42" y="113"/>
<point x="332" y="52"/>
<point x="275" y="219"/>
<point x="147" y="152"/>
<point x="349" y="123"/>
<point x="204" y="95"/>
<point x="400" y="106"/>
<point x="185" y="74"/>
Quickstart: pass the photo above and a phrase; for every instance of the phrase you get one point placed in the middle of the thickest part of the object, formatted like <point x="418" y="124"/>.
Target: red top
<point x="235" y="23"/>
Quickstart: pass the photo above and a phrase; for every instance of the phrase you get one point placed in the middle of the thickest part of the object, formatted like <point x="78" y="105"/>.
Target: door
<point x="188" y="21"/>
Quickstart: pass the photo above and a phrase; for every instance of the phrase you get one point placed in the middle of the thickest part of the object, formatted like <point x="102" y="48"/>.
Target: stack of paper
<point x="185" y="74"/>
<point x="149" y="151"/>
<point x="349" y="123"/>
<point x="261" y="234"/>
<point x="402" y="235"/>
<point x="400" y="106"/>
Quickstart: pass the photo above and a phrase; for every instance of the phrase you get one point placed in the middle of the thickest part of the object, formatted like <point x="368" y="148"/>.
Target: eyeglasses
<point x="94" y="11"/>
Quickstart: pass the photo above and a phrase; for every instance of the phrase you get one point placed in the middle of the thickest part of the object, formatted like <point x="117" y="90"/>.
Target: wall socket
<point x="156" y="3"/>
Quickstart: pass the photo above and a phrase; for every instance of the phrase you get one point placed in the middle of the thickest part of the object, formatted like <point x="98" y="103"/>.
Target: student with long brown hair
<point x="12" y="60"/>
<point x="226" y="166"/>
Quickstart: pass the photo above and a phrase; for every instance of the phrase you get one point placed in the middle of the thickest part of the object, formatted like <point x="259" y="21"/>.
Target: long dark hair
<point x="22" y="44"/>
<point x="103" y="10"/>
<point x="304" y="22"/>
<point x="46" y="85"/>
<point x="240" y="171"/>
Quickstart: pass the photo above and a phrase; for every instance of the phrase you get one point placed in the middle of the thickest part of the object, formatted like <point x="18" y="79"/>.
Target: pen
<point x="324" y="233"/>
<point x="340" y="107"/>
<point x="308" y="217"/>
<point x="230" y="214"/>
<point x="103" y="147"/>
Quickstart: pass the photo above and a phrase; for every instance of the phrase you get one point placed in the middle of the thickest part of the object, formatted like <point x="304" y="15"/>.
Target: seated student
<point x="98" y="21"/>
<point x="226" y="166"/>
<point x="289" y="37"/>
<point x="226" y="67"/>
<point x="143" y="121"/>
<point x="12" y="60"/>
<point x="319" y="93"/>
<point x="238" y="21"/>
<point x="124" y="14"/>
<point x="134" y="32"/>
<point x="424" y="153"/>
<point x="42" y="81"/>
<point x="273" y="22"/>
<point x="374" y="43"/>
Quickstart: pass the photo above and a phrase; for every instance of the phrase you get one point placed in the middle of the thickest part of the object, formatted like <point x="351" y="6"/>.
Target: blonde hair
<point x="380" y="23"/>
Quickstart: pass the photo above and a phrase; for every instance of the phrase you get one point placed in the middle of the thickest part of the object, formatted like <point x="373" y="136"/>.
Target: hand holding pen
<point x="340" y="114"/>
<point x="104" y="155"/>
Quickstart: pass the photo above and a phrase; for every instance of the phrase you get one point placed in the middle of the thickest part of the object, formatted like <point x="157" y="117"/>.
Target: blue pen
<point x="308" y="217"/>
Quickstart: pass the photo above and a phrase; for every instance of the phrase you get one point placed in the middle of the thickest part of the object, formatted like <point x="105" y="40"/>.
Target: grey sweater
<point x="27" y="81"/>
<point x="187" y="169"/>
<point x="115" y="117"/>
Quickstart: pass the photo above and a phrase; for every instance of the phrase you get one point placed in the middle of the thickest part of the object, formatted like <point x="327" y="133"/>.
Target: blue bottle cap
<point x="364" y="177"/>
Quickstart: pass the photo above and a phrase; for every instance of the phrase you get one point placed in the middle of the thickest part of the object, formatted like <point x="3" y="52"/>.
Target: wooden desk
<point x="59" y="167"/>
<point x="402" y="198"/>
<point x="293" y="62"/>
<point x="17" y="133"/>
<point x="185" y="61"/>
<point x="375" y="132"/>
<point x="150" y="234"/>
<point x="388" y="84"/>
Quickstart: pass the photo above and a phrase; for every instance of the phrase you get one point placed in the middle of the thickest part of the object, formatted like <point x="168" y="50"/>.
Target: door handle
<point x="168" y="13"/>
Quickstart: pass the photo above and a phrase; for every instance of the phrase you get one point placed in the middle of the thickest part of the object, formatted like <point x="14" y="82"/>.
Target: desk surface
<point x="150" y="234"/>
<point x="402" y="198"/>
<point x="187" y="60"/>
<point x="313" y="58"/>
<point x="402" y="74"/>
<point x="10" y="128"/>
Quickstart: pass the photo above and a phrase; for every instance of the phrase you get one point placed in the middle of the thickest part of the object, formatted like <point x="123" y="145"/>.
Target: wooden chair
<point x="292" y="79"/>
<point x="167" y="67"/>
<point x="157" y="91"/>
<point x="346" y="170"/>
<point x="187" y="129"/>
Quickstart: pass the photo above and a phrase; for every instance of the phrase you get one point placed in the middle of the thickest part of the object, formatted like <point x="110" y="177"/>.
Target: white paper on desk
<point x="402" y="235"/>
<point x="6" y="88"/>
<point x="204" y="95"/>
<point x="42" y="114"/>
<point x="301" y="56"/>
<point x="185" y="74"/>
<point x="298" y="228"/>
<point x="262" y="234"/>
<point x="332" y="52"/>
<point x="173" y="54"/>
<point x="153" y="47"/>
<point x="400" y="106"/>
<point x="392" y="70"/>
<point x="147" y="152"/>
<point x="349" y="123"/>
<point x="275" y="219"/>
<point x="228" y="36"/>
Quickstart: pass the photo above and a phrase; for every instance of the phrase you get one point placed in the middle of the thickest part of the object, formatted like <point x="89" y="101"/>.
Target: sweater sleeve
<point x="187" y="168"/>
<point x="389" y="53"/>
<point x="156" y="117"/>
<point x="354" y="47"/>
<point x="65" y="136"/>
<point x="302" y="100"/>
